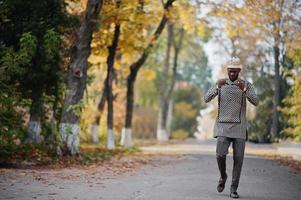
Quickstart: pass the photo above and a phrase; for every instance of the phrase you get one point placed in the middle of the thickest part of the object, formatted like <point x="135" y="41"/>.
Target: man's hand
<point x="240" y="83"/>
<point x="220" y="83"/>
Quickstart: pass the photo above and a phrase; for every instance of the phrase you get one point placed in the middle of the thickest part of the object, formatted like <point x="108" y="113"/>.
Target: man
<point x="230" y="125"/>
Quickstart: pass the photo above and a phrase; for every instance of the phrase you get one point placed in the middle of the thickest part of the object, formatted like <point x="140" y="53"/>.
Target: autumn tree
<point x="109" y="81"/>
<point x="131" y="40"/>
<point x="256" y="30"/>
<point x="292" y="109"/>
<point x="136" y="26"/>
<point x="275" y="19"/>
<point x="134" y="69"/>
<point x="184" y="19"/>
<point x="77" y="77"/>
<point x="162" y="134"/>
<point x="134" y="45"/>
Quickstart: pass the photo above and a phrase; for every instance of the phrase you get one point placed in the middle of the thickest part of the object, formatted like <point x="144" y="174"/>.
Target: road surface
<point x="167" y="177"/>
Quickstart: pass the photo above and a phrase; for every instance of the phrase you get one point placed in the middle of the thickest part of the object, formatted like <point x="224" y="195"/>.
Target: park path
<point x="189" y="176"/>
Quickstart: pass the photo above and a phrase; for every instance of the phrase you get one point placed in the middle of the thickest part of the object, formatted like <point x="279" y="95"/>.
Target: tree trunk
<point x="134" y="68"/>
<point x="110" y="77"/>
<point x="34" y="125"/>
<point x="100" y="108"/>
<point x="53" y="138"/>
<point x="77" y="75"/>
<point x="277" y="98"/>
<point x="126" y="134"/>
<point x="164" y="131"/>
<point x="126" y="138"/>
<point x="169" y="117"/>
<point x="162" y="134"/>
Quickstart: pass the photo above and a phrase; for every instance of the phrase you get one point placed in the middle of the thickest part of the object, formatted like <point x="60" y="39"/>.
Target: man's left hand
<point x="240" y="83"/>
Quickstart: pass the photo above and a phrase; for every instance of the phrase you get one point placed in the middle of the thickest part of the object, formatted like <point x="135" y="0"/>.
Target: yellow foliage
<point x="203" y="30"/>
<point x="185" y="110"/>
<point x="148" y="74"/>
<point x="292" y="110"/>
<point x="294" y="49"/>
<point x="180" y="134"/>
<point x="185" y="15"/>
<point x="232" y="31"/>
<point x="136" y="32"/>
<point x="76" y="7"/>
<point x="95" y="59"/>
<point x="295" y="54"/>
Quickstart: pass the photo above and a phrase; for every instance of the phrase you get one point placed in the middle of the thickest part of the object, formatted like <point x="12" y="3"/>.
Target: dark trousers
<point x="222" y="147"/>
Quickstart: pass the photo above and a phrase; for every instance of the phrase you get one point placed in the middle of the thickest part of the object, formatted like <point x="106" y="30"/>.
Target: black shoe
<point x="221" y="184"/>
<point x="234" y="195"/>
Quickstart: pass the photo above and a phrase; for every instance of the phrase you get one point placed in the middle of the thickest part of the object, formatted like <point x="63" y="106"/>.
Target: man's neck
<point x="234" y="79"/>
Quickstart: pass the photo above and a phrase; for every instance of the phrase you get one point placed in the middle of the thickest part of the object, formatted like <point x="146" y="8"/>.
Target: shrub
<point x="180" y="134"/>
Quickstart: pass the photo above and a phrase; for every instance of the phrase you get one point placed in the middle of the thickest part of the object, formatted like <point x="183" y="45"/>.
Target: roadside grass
<point x="38" y="155"/>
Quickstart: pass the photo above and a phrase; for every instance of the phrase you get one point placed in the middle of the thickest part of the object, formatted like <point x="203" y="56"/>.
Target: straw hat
<point x="234" y="63"/>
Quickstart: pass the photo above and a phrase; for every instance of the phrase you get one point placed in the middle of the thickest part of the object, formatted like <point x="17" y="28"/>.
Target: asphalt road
<point x="186" y="177"/>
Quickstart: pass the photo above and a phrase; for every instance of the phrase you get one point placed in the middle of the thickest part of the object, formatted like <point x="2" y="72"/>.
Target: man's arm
<point x="251" y="95"/>
<point x="212" y="92"/>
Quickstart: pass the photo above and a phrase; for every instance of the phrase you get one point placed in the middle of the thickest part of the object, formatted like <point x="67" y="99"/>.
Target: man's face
<point x="233" y="73"/>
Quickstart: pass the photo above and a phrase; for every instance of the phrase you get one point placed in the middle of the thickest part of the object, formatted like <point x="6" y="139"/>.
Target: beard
<point x="233" y="77"/>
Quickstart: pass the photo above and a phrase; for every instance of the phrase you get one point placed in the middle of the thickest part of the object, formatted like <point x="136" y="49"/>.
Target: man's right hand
<point x="220" y="83"/>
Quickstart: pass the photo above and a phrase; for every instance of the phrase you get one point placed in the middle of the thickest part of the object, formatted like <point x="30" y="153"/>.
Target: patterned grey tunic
<point x="232" y="129"/>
